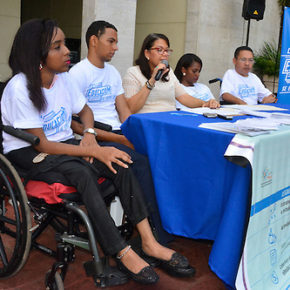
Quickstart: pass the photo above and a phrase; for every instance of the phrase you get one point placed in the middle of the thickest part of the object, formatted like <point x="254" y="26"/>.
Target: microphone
<point x="159" y="73"/>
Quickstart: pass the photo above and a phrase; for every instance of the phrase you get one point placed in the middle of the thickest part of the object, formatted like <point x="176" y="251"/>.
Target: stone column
<point x="122" y="14"/>
<point x="9" y="23"/>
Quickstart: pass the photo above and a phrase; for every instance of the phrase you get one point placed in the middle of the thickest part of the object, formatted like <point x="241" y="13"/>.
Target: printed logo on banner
<point x="284" y="75"/>
<point x="267" y="177"/>
<point x="286" y="71"/>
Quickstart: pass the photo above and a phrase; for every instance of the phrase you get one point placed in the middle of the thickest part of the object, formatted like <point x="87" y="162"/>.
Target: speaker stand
<point x="248" y="32"/>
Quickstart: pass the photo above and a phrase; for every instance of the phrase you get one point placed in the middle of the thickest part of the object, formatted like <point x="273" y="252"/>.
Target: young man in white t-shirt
<point x="242" y="87"/>
<point x="101" y="84"/>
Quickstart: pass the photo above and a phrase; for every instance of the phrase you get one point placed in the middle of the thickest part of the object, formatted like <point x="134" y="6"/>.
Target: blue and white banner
<point x="265" y="263"/>
<point x="284" y="75"/>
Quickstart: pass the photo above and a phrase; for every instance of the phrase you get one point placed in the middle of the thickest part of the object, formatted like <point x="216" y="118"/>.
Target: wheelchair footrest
<point x="111" y="276"/>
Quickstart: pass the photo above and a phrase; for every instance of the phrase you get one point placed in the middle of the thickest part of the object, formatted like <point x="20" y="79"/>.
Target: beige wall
<point x="209" y="28"/>
<point x="162" y="16"/>
<point x="216" y="28"/>
<point x="9" y="23"/>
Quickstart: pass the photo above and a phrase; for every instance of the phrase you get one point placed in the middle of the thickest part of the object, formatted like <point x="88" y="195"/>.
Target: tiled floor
<point x="32" y="274"/>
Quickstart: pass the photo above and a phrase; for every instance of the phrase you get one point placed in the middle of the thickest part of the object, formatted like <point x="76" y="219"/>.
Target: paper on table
<point x="249" y="126"/>
<point x="220" y="111"/>
<point x="277" y="118"/>
<point x="228" y="127"/>
<point x="254" y="107"/>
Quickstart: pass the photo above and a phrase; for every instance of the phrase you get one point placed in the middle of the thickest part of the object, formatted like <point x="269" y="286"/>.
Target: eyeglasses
<point x="250" y="60"/>
<point x="161" y="50"/>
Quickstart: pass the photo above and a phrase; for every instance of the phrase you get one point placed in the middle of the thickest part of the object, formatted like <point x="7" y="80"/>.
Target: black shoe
<point x="178" y="266"/>
<point x="154" y="262"/>
<point x="137" y="247"/>
<point x="146" y="276"/>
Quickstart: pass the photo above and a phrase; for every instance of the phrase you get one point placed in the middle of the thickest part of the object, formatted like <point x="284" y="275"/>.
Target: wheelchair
<point x="18" y="234"/>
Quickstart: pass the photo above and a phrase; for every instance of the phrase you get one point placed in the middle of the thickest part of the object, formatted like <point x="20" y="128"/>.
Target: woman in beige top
<point x="145" y="94"/>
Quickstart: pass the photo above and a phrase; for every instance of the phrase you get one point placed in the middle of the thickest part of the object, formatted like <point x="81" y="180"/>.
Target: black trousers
<point x="83" y="177"/>
<point x="142" y="171"/>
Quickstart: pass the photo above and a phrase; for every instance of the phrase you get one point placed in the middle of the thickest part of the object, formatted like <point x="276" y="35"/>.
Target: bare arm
<point x="193" y="102"/>
<point x="122" y="108"/>
<point x="88" y="148"/>
<point x="232" y="99"/>
<point x="102" y="135"/>
<point x="86" y="117"/>
<point x="137" y="101"/>
<point x="269" y="99"/>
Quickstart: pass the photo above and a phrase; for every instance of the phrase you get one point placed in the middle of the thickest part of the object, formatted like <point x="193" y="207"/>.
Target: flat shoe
<point x="178" y="266"/>
<point x="152" y="261"/>
<point x="146" y="276"/>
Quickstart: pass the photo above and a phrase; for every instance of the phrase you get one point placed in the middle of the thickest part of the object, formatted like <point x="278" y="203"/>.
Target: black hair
<point x="98" y="28"/>
<point x="239" y="49"/>
<point x="30" y="49"/>
<point x="142" y="61"/>
<point x="186" y="61"/>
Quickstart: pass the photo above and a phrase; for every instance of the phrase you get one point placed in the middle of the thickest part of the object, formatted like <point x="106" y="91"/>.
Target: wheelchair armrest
<point x="215" y="80"/>
<point x="97" y="125"/>
<point x="33" y="140"/>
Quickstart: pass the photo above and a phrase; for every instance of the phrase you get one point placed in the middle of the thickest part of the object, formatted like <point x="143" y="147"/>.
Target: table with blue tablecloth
<point x="200" y="194"/>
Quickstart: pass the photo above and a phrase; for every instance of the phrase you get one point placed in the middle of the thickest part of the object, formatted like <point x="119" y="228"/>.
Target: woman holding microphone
<point x="151" y="85"/>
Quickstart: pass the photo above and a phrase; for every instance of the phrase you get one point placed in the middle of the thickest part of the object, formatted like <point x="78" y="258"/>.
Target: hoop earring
<point x="40" y="66"/>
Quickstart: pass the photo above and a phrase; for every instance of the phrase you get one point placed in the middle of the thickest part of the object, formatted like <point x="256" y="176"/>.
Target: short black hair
<point x="97" y="28"/>
<point x="241" y="48"/>
<point x="186" y="61"/>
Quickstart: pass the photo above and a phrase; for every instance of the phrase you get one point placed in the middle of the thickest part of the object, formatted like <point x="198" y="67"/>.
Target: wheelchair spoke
<point x="7" y="220"/>
<point x="3" y="253"/>
<point x="15" y="221"/>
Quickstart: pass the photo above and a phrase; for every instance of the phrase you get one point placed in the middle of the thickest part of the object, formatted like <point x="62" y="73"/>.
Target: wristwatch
<point x="91" y="131"/>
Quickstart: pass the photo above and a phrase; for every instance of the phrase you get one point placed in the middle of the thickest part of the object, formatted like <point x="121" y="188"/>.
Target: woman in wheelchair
<point x="40" y="99"/>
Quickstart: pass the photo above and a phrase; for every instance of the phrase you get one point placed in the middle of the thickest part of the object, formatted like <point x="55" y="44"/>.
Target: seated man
<point x="242" y="87"/>
<point x="101" y="84"/>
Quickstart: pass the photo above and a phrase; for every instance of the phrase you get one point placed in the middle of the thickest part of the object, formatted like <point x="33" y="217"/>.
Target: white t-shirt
<point x="250" y="89"/>
<point x="161" y="97"/>
<point x="63" y="100"/>
<point x="199" y="91"/>
<point x="100" y="86"/>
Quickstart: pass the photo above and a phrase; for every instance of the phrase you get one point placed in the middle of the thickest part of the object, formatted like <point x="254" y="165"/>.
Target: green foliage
<point x="265" y="60"/>
<point x="282" y="3"/>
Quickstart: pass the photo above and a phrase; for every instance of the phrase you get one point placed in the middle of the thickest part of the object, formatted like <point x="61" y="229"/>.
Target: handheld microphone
<point x="159" y="73"/>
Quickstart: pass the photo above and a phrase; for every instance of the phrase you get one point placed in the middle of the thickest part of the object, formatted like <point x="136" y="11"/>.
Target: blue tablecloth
<point x="200" y="194"/>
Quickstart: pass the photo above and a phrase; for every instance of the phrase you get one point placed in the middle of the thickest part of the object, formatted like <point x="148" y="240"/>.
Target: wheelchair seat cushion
<point x="43" y="180"/>
<point x="49" y="192"/>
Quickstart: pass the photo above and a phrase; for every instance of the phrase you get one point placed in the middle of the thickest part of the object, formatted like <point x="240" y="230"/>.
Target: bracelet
<point x="149" y="86"/>
<point x="124" y="253"/>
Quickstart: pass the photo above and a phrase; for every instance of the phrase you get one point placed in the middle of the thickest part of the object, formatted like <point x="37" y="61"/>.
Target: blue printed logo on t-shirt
<point x="98" y="93"/>
<point x="56" y="122"/>
<point x="246" y="92"/>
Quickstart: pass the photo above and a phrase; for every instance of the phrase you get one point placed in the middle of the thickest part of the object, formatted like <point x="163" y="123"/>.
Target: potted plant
<point x="267" y="63"/>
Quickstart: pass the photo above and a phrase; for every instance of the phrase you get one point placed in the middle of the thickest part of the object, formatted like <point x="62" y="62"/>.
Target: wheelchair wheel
<point x="56" y="284"/>
<point x="15" y="221"/>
